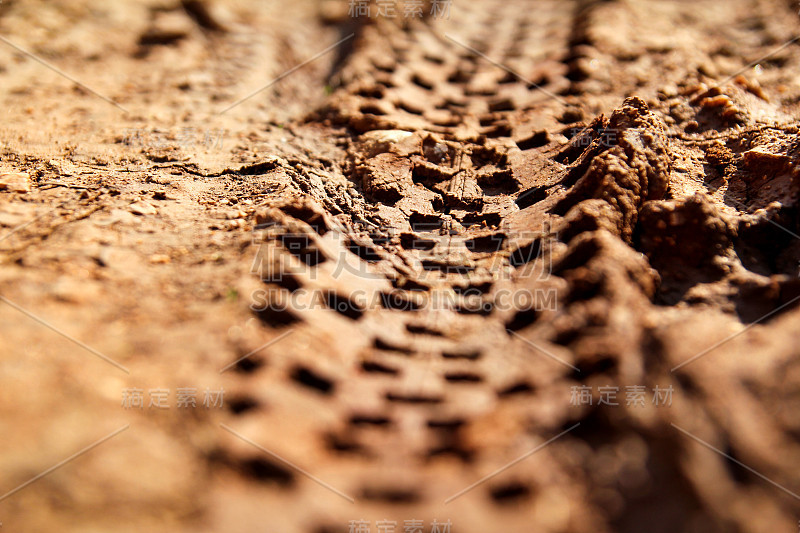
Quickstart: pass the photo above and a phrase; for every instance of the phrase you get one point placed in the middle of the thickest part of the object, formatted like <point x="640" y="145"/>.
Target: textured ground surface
<point x="440" y="250"/>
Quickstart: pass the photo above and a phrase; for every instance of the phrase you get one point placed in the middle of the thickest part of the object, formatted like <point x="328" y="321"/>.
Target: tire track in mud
<point x="466" y="191"/>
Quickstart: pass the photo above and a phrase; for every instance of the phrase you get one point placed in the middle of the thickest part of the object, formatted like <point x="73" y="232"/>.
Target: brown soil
<point x="380" y="215"/>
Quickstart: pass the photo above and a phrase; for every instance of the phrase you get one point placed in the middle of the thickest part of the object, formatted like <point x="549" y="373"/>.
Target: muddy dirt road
<point x="467" y="266"/>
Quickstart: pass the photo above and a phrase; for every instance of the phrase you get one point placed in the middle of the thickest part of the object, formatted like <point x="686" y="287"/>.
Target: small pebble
<point x="142" y="209"/>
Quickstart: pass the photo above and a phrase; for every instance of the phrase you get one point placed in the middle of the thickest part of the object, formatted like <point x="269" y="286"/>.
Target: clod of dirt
<point x="142" y="209"/>
<point x="399" y="142"/>
<point x="15" y="182"/>
<point x="385" y="177"/>
<point x="688" y="241"/>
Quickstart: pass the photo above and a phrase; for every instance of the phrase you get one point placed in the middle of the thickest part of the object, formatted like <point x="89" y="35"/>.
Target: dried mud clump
<point x="685" y="240"/>
<point x="681" y="235"/>
<point x="628" y="165"/>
